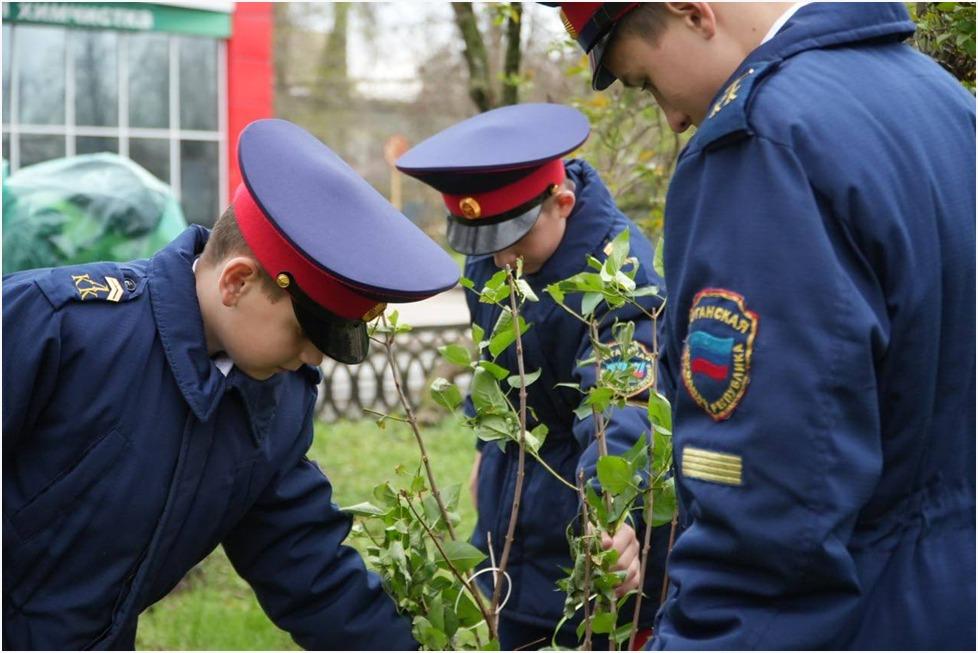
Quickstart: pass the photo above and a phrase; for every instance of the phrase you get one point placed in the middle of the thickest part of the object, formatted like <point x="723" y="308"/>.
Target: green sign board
<point x="129" y="16"/>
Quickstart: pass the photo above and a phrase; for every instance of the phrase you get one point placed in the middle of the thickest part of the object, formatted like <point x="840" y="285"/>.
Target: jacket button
<point x="130" y="284"/>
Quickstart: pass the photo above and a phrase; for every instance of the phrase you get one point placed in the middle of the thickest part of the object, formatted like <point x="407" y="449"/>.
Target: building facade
<point x="169" y="85"/>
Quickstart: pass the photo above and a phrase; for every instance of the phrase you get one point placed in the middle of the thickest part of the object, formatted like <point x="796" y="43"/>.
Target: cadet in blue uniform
<point x="820" y="256"/>
<point x="155" y="409"/>
<point x="509" y="194"/>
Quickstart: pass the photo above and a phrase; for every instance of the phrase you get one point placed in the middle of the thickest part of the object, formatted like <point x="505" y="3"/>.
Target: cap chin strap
<point x="508" y="215"/>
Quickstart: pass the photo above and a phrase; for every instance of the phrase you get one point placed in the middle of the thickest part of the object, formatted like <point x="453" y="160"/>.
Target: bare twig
<point x="474" y="591"/>
<point x="646" y="548"/>
<point x="587" y="562"/>
<point x="599" y="434"/>
<point x="518" y="491"/>
<point x="396" y="372"/>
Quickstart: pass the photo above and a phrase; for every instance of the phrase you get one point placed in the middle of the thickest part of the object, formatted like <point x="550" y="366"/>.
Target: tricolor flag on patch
<point x="710" y="355"/>
<point x="716" y="358"/>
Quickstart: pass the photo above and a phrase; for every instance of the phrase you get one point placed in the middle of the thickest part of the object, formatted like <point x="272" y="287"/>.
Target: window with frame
<point x="153" y="97"/>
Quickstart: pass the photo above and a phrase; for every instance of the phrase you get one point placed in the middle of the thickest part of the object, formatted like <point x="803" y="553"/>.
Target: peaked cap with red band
<point x="495" y="169"/>
<point x="328" y="238"/>
<point x="592" y="24"/>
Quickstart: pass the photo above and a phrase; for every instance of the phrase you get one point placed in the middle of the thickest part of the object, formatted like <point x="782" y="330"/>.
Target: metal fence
<point x="347" y="390"/>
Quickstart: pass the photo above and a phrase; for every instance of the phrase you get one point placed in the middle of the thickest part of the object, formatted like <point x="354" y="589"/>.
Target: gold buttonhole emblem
<point x="283" y="280"/>
<point x="470" y="208"/>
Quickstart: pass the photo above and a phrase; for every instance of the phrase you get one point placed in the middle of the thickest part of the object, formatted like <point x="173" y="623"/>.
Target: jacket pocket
<point x="68" y="488"/>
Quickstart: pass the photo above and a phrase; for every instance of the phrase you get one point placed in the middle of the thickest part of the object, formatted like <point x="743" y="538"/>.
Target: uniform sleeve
<point x="778" y="323"/>
<point x="289" y="547"/>
<point x="31" y="355"/>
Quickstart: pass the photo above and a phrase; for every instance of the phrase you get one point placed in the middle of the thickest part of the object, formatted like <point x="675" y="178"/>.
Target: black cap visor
<point x="477" y="237"/>
<point x="341" y="339"/>
<point x="601" y="78"/>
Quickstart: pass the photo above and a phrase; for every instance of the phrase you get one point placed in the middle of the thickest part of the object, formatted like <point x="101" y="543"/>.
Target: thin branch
<point x="599" y="434"/>
<point x="518" y="491"/>
<point x="646" y="546"/>
<point x="417" y="434"/>
<point x="451" y="567"/>
<point x="587" y="563"/>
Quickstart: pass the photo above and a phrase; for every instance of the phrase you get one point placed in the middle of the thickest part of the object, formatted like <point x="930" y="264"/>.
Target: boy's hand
<point x="626" y="543"/>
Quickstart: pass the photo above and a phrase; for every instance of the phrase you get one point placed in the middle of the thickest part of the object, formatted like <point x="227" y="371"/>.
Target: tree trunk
<point x="476" y="58"/>
<point x="511" y="65"/>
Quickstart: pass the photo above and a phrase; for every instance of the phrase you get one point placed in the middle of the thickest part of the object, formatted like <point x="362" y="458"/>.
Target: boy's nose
<point x="678" y="121"/>
<point x="504" y="258"/>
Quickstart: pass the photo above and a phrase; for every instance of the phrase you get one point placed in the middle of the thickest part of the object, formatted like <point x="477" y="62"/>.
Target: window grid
<point x="13" y="129"/>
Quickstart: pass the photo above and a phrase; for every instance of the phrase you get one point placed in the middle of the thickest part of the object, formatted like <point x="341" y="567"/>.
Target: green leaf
<point x="596" y="504"/>
<point x="660" y="412"/>
<point x="503" y="334"/>
<point x="524" y="289"/>
<point x="485" y="391"/>
<point x="497" y="371"/>
<point x="445" y="393"/>
<point x="514" y="381"/>
<point x="619" y="250"/>
<point x="365" y="509"/>
<point x="456" y="354"/>
<point x="465" y="282"/>
<point x="477" y="333"/>
<point x="467" y="611"/>
<point x="462" y="555"/>
<point x="449" y="496"/>
<point x="614" y="473"/>
<point x="554" y="291"/>
<point x="603" y="622"/>
<point x="590" y="302"/>
<point x="663" y="503"/>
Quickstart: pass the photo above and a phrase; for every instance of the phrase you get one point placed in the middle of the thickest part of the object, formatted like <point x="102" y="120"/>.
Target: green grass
<point x="214" y="609"/>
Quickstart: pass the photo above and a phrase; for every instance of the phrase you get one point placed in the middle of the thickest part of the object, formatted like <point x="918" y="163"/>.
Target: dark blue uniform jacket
<point x="554" y="344"/>
<point x="820" y="255"/>
<point x="128" y="457"/>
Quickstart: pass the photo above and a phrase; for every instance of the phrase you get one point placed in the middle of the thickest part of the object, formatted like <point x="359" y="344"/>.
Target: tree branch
<point x="511" y="65"/>
<point x="518" y="490"/>
<point x="476" y="58"/>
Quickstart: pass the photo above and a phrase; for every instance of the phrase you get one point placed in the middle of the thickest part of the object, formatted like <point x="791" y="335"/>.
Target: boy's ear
<point x="566" y="200"/>
<point x="697" y="16"/>
<point x="237" y="276"/>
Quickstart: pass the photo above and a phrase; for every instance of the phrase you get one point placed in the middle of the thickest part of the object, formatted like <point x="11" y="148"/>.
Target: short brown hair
<point x="226" y="240"/>
<point x="646" y="21"/>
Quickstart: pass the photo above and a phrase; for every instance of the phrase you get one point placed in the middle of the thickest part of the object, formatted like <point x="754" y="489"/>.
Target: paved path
<point x="446" y="309"/>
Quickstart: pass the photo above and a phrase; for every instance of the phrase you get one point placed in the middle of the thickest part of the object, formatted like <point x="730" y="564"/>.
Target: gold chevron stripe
<point x="115" y="289"/>
<point x="712" y="466"/>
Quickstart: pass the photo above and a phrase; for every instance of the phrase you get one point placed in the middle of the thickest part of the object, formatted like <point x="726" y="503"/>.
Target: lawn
<point x="214" y="609"/>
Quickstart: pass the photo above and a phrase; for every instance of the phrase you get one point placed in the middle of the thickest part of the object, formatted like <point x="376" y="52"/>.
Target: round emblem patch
<point x="717" y="353"/>
<point x="629" y="376"/>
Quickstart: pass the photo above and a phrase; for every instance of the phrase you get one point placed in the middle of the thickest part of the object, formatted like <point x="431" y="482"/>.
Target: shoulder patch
<point x="629" y="375"/>
<point x="98" y="282"/>
<point x="717" y="352"/>
<point x="728" y="115"/>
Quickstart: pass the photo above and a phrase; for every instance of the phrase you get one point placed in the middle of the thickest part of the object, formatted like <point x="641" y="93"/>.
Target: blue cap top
<point x="335" y="218"/>
<point x="328" y="238"/>
<point x="517" y="136"/>
<point x="495" y="169"/>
